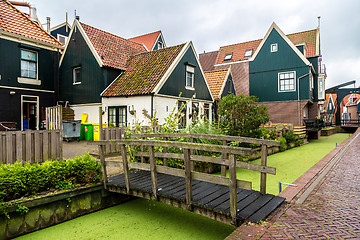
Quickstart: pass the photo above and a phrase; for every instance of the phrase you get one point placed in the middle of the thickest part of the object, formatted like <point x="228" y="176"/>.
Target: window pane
<point x="189" y="79"/>
<point x="282" y="76"/>
<point x="291" y="75"/>
<point x="27" y="55"/>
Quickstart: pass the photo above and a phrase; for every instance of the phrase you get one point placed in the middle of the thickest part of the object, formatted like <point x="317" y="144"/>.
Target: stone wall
<point x="54" y="208"/>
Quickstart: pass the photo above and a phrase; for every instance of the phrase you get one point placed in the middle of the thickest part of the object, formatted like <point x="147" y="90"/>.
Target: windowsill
<point x="31" y="81"/>
<point x="189" y="88"/>
<point x="286" y="91"/>
<point x="77" y="83"/>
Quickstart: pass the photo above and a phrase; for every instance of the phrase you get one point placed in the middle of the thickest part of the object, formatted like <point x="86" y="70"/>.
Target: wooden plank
<point x="125" y="167"/>
<point x="224" y="156"/>
<point x="214" y="160"/>
<point x="2" y="150"/>
<point x="188" y="177"/>
<point x="192" y="152"/>
<point x="241" y="194"/>
<point x="269" y="143"/>
<point x="268" y="208"/>
<point x="28" y="146"/>
<point x="210" y="194"/>
<point x="107" y="137"/>
<point x="154" y="179"/>
<point x="117" y="136"/>
<point x="46" y="145"/>
<point x="19" y="146"/>
<point x="9" y="148"/>
<point x="255" y="206"/>
<point x="103" y="164"/>
<point x="210" y="178"/>
<point x="256" y="167"/>
<point x="139" y="166"/>
<point x="233" y="187"/>
<point x="171" y="171"/>
<point x="160" y="155"/>
<point x="262" y="174"/>
<point x="32" y="142"/>
<point x="248" y="200"/>
<point x="37" y="146"/>
<point x="165" y="160"/>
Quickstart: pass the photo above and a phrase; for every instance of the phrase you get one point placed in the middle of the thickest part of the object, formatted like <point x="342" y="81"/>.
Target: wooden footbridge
<point x="225" y="199"/>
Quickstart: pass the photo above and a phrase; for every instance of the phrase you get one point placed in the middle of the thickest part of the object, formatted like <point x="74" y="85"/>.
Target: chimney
<point x="78" y="18"/>
<point x="319" y="17"/>
<point x="48" y="24"/>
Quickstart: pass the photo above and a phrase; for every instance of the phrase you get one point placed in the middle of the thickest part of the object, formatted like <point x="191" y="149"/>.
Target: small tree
<point x="241" y="115"/>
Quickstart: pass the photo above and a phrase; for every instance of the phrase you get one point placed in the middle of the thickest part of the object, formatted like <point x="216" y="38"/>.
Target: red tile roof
<point x="215" y="80"/>
<point x="14" y="21"/>
<point x="144" y="72"/>
<point x="238" y="50"/>
<point x="114" y="51"/>
<point x="207" y="60"/>
<point x="148" y="40"/>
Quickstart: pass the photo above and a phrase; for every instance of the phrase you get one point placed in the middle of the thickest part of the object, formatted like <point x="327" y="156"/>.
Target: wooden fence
<point x="54" y="118"/>
<point x="30" y="146"/>
<point x="228" y="158"/>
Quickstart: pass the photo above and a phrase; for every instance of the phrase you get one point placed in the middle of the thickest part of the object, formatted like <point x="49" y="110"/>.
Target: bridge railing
<point x="188" y="173"/>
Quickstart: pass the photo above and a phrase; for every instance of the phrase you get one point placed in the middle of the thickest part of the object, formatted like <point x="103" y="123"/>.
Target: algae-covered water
<point x="136" y="219"/>
<point x="292" y="163"/>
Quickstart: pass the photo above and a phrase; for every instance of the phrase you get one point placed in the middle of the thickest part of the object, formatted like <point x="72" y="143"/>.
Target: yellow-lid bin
<point x="97" y="131"/>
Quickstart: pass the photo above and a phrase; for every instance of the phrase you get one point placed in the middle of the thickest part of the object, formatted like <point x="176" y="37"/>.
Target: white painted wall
<point x="92" y="111"/>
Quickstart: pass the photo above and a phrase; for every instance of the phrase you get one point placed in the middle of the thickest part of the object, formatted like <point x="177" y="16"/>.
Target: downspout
<point x="298" y="91"/>
<point x="152" y="106"/>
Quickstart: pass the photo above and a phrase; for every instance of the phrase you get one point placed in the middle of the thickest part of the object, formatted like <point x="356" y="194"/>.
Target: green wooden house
<point x="156" y="83"/>
<point x="29" y="59"/>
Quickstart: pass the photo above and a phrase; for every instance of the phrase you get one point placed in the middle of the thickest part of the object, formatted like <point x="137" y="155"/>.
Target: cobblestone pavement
<point x="332" y="211"/>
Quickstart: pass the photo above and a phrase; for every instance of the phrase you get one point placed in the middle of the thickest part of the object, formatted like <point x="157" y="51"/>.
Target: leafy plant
<point x="283" y="144"/>
<point x="22" y="209"/>
<point x="289" y="136"/>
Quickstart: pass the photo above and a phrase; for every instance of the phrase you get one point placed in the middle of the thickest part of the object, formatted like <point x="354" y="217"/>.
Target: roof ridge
<point x="159" y="31"/>
<point x="241" y="43"/>
<point x="220" y="70"/>
<point x="158" y="50"/>
<point x="108" y="33"/>
<point x="31" y="21"/>
<point x="302" y="32"/>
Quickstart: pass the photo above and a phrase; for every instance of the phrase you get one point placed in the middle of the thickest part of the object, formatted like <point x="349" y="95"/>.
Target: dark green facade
<point x="265" y="68"/>
<point x="94" y="79"/>
<point x="175" y="84"/>
<point x="158" y="40"/>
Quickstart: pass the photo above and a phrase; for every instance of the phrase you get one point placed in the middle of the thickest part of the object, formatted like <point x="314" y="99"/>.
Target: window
<point x="28" y="64"/>
<point x="62" y="39"/>
<point x="160" y="45"/>
<point x="286" y="81"/>
<point x="190" y="77"/>
<point x="228" y="56"/>
<point x="117" y="116"/>
<point x="321" y="88"/>
<point x="207" y="111"/>
<point x="274" y="47"/>
<point x="77" y="75"/>
<point x="195" y="111"/>
<point x="248" y="53"/>
<point x="182" y="109"/>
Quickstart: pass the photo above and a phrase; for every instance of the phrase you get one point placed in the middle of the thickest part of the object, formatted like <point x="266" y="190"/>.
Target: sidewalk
<point x="331" y="211"/>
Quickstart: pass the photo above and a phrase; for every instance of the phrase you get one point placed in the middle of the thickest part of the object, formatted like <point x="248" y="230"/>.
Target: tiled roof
<point x="308" y="37"/>
<point x="114" y="51"/>
<point x="215" y="80"/>
<point x="14" y="21"/>
<point x="238" y="50"/>
<point x="144" y="72"/>
<point x="148" y="39"/>
<point x="207" y="60"/>
<point x="327" y="99"/>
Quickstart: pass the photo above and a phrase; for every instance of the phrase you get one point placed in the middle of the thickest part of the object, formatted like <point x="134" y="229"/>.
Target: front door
<point x="29" y="112"/>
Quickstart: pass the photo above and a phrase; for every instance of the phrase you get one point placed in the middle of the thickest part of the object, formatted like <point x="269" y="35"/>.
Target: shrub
<point x="283" y="144"/>
<point x="19" y="180"/>
<point x="290" y="136"/>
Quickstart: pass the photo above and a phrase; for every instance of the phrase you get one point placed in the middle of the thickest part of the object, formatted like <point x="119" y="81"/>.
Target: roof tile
<point x="207" y="60"/>
<point x="144" y="72"/>
<point x="215" y="80"/>
<point x="14" y="21"/>
<point x="148" y="40"/>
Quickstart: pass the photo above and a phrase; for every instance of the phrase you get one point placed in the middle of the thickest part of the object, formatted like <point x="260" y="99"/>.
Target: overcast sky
<point x="211" y="24"/>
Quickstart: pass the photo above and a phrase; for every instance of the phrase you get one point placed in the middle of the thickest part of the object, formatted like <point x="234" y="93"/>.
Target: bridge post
<point x="126" y="167"/>
<point x="233" y="188"/>
<point x="188" y="178"/>
<point x="192" y="163"/>
<point x="224" y="156"/>
<point x="103" y="163"/>
<point x="165" y="151"/>
<point x="263" y="163"/>
<point x="153" y="172"/>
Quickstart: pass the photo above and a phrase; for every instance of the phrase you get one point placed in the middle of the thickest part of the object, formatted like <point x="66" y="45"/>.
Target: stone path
<point x="332" y="210"/>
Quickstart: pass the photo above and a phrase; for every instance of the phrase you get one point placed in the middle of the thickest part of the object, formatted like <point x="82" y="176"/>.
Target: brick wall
<point x="314" y="110"/>
<point x="285" y="112"/>
<point x="240" y="73"/>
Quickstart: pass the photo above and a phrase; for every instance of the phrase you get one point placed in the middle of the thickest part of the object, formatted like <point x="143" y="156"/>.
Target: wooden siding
<point x="266" y="66"/>
<point x="94" y="79"/>
<point x="229" y="87"/>
<point x="175" y="84"/>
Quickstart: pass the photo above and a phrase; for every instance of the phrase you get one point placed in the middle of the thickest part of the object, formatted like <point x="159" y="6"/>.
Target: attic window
<point x="228" y="56"/>
<point x="62" y="39"/>
<point x="274" y="47"/>
<point x="248" y="53"/>
<point x="160" y="45"/>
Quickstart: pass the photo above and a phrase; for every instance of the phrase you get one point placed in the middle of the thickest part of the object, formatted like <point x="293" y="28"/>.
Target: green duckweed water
<point x="136" y="219"/>
<point x="292" y="163"/>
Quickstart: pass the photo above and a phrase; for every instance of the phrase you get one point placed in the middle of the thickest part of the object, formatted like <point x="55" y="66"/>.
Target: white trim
<point x="28" y="89"/>
<point x="182" y="98"/>
<point x="74" y="75"/>
<point x="111" y="84"/>
<point x="59" y="26"/>
<point x="22" y="110"/>
<point x="163" y="41"/>
<point x="87" y="40"/>
<point x="228" y="63"/>
<point x="31" y="81"/>
<point x="287" y="40"/>
<point x="274" y="45"/>
<point x="85" y="104"/>
<point x="29" y="41"/>
<point x="60" y="35"/>
<point x="190" y="88"/>
<point x="282" y="91"/>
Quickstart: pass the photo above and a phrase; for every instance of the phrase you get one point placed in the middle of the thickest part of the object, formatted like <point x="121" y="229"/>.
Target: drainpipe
<point x="298" y="93"/>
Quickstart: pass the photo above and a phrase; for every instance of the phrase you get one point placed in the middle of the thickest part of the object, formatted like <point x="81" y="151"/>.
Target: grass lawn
<point x="137" y="219"/>
<point x="292" y="163"/>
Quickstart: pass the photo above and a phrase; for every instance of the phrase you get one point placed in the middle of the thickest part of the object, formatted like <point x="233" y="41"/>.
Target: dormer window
<point x="228" y="56"/>
<point x="160" y="45"/>
<point x="248" y="53"/>
<point x="274" y="47"/>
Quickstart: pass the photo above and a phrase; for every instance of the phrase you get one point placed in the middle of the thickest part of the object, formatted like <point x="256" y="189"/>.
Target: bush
<point x="283" y="144"/>
<point x="19" y="180"/>
<point x="290" y="136"/>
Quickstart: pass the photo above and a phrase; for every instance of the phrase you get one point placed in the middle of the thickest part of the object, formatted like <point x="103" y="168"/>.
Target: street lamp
<point x="298" y="93"/>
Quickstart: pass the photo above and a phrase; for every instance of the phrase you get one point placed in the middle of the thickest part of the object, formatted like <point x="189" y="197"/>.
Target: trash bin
<point x="97" y="131"/>
<point x="71" y="130"/>
<point x="82" y="132"/>
<point x="89" y="131"/>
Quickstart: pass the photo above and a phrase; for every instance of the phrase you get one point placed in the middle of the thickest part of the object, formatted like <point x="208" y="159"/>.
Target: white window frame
<point x="291" y="90"/>
<point x="74" y="76"/>
<point x="160" y="45"/>
<point x="190" y="70"/>
<point x="274" y="47"/>
<point x="26" y="80"/>
<point x="248" y="51"/>
<point x="37" y="109"/>
<point x="228" y="56"/>
<point x="322" y="88"/>
<point x="60" y="35"/>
